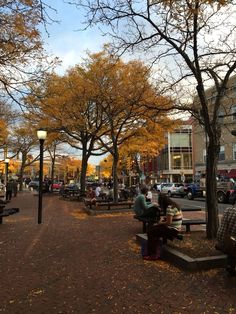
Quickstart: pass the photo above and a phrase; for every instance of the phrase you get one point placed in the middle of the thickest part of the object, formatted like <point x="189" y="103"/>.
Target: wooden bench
<point x="8" y="212"/>
<point x="190" y="209"/>
<point x="89" y="203"/>
<point x="101" y="203"/>
<point x="148" y="222"/>
<point x="113" y="205"/>
<point x="190" y="222"/>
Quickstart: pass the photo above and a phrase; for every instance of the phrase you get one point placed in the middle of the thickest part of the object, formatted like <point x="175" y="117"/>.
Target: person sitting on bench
<point x="91" y="195"/>
<point x="142" y="208"/>
<point x="168" y="228"/>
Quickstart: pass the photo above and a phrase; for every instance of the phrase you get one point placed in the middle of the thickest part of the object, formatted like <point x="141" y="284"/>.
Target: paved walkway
<point x="74" y="263"/>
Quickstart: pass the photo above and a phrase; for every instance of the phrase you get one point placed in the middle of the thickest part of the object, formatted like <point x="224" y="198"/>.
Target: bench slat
<point x="189" y="222"/>
<point x="188" y="209"/>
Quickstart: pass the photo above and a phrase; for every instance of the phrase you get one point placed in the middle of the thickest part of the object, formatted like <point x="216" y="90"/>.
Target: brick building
<point x="227" y="116"/>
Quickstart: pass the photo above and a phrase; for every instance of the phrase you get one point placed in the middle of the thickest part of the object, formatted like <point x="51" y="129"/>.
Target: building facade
<point x="227" y="117"/>
<point x="175" y="162"/>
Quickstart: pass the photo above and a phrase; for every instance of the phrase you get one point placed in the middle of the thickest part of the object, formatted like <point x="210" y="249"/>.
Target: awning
<point x="222" y="172"/>
<point x="232" y="173"/>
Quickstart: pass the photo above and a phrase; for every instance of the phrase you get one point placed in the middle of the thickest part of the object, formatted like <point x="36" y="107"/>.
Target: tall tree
<point x="123" y="94"/>
<point x="65" y="104"/>
<point x="192" y="44"/>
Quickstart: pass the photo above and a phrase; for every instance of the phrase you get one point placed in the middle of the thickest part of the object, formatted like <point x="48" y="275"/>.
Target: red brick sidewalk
<point x="74" y="263"/>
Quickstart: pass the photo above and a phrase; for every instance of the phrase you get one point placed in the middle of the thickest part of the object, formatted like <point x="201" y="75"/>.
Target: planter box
<point x="186" y="262"/>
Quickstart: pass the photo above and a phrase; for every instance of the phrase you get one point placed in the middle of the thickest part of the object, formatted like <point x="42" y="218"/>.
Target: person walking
<point x="9" y="190"/>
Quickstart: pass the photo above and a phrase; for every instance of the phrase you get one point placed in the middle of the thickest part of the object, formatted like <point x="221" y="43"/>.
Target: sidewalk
<point x="74" y="263"/>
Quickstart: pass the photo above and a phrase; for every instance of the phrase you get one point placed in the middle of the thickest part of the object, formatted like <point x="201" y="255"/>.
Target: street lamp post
<point x="42" y="134"/>
<point x="6" y="170"/>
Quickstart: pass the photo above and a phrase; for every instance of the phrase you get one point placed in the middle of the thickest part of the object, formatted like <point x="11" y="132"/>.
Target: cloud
<point x="70" y="47"/>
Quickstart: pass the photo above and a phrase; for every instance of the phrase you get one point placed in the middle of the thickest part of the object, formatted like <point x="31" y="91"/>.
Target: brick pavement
<point x="74" y="263"/>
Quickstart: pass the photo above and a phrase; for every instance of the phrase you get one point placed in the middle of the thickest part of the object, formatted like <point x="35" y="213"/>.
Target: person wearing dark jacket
<point x="9" y="190"/>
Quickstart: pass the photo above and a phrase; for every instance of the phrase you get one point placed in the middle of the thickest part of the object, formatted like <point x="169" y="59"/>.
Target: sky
<point x="70" y="45"/>
<point x="65" y="40"/>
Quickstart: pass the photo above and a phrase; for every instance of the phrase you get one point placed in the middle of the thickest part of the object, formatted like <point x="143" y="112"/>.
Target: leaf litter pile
<point x="195" y="245"/>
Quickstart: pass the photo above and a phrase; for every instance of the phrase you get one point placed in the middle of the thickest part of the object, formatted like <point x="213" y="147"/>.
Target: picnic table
<point x="187" y="223"/>
<point x="4" y="212"/>
<point x="71" y="193"/>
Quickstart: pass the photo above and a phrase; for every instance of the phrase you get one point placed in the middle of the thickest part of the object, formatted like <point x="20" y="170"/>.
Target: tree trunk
<point x="213" y="149"/>
<point x="84" y="166"/>
<point x="115" y="176"/>
<point x="52" y="171"/>
<point x="21" y="178"/>
<point x="23" y="162"/>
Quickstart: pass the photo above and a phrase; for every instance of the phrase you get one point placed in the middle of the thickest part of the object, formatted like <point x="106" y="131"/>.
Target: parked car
<point x="225" y="188"/>
<point x="193" y="190"/>
<point x="173" y="189"/>
<point x="57" y="185"/>
<point x="72" y="187"/>
<point x="34" y="184"/>
<point x="157" y="187"/>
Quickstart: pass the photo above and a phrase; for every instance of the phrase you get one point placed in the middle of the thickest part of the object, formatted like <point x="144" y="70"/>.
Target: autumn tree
<point x="124" y="95"/>
<point x="106" y="167"/>
<point x="192" y="45"/>
<point x="147" y="143"/>
<point x="6" y="117"/>
<point x="21" y="143"/>
<point x="65" y="105"/>
<point x="22" y="59"/>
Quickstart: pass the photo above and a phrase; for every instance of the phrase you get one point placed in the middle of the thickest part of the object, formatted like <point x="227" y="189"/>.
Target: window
<point x="176" y="161"/>
<point x="233" y="111"/>
<point x="204" y="155"/>
<point x="187" y="160"/>
<point x="234" y="151"/>
<point x="181" y="140"/>
<point x="221" y="117"/>
<point x="222" y="153"/>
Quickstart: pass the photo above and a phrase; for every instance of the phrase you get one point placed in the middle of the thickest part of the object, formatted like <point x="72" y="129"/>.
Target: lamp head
<point x="41" y="134"/>
<point x="7" y="160"/>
